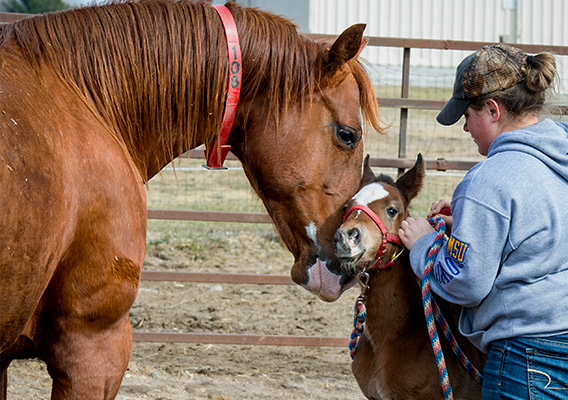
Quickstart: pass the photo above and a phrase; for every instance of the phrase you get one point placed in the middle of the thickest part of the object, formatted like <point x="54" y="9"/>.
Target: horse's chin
<point x="328" y="285"/>
<point x="350" y="265"/>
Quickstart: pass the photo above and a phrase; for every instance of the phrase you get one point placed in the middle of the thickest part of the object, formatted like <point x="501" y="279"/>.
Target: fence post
<point x="405" y="89"/>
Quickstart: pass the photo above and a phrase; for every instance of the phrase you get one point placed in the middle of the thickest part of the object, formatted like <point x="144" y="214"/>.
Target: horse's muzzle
<point x="326" y="284"/>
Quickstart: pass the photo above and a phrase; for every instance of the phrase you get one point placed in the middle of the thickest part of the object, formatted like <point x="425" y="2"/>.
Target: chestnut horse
<point x="394" y="358"/>
<point x="95" y="101"/>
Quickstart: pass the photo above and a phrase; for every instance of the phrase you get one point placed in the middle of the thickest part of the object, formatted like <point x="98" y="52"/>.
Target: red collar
<point x="387" y="237"/>
<point x="216" y="155"/>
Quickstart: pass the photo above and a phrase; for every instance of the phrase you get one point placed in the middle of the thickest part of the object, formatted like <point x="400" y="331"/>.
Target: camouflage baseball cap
<point x="488" y="70"/>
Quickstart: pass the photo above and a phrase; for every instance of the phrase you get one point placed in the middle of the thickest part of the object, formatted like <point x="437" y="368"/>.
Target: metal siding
<point x="539" y="21"/>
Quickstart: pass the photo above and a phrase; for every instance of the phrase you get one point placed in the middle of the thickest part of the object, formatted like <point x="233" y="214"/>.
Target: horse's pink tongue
<point x="324" y="283"/>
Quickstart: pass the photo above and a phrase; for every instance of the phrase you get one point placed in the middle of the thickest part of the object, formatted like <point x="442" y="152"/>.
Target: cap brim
<point x="452" y="111"/>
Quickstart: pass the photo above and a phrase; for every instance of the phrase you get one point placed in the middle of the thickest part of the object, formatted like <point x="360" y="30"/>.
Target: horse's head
<point x="308" y="162"/>
<point x="380" y="201"/>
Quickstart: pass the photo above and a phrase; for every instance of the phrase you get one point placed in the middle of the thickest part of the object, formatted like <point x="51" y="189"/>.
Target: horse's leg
<point x="86" y="364"/>
<point x="363" y="368"/>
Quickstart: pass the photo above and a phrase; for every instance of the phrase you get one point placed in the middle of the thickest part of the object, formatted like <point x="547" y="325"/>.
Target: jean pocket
<point x="547" y="375"/>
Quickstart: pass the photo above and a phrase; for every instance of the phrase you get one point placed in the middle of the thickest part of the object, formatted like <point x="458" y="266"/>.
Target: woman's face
<point x="480" y="125"/>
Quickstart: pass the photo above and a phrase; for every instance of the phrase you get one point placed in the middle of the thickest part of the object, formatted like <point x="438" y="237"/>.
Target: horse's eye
<point x="348" y="136"/>
<point x="392" y="212"/>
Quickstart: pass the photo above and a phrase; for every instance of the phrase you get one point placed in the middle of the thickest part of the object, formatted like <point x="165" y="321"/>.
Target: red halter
<point x="387" y="237"/>
<point x="217" y="154"/>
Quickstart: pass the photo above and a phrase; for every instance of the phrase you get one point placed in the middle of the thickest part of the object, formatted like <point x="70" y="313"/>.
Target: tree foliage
<point x="32" y="6"/>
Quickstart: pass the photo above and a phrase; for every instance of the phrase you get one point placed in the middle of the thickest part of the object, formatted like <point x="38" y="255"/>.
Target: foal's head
<point x="360" y="240"/>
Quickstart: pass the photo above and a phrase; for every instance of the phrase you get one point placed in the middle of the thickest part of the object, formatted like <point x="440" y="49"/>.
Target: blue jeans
<point x="527" y="368"/>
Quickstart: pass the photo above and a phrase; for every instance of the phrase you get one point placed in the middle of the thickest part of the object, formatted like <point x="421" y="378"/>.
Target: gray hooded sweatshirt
<point x="506" y="261"/>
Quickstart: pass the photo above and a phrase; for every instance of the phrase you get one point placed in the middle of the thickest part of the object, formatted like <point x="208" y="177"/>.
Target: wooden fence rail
<point x="240" y="339"/>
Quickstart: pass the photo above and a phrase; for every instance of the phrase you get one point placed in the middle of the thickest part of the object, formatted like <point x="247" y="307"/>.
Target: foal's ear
<point x="410" y="182"/>
<point x="346" y="46"/>
<point x="368" y="174"/>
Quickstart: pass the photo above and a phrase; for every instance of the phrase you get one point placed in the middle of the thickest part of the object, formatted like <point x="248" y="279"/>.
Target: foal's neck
<point x="394" y="304"/>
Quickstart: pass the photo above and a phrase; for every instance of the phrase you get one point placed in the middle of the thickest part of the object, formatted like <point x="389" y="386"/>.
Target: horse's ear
<point x="346" y="46"/>
<point x="410" y="182"/>
<point x="368" y="174"/>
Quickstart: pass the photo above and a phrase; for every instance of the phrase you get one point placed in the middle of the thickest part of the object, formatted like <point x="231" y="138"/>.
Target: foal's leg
<point x="364" y="369"/>
<point x="87" y="364"/>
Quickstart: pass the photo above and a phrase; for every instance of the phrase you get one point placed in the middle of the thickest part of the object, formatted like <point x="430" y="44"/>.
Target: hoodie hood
<point x="546" y="140"/>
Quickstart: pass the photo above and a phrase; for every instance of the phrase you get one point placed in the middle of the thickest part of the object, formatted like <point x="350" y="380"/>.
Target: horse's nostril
<point x="339" y="238"/>
<point x="355" y="235"/>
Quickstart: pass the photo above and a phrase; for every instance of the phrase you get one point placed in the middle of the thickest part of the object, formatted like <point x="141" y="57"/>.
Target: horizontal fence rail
<point x="440" y="164"/>
<point x="446" y="44"/>
<point x="216" y="277"/>
<point x="210" y="216"/>
<point x="240" y="339"/>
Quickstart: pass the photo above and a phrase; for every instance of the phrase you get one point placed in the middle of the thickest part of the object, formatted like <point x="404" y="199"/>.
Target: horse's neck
<point x="159" y="104"/>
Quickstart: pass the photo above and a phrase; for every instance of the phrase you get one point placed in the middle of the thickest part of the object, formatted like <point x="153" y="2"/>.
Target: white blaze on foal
<point x="364" y="197"/>
<point x="370" y="193"/>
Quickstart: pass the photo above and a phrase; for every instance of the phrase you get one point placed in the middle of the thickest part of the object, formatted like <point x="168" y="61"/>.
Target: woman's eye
<point x="392" y="212"/>
<point x="347" y="135"/>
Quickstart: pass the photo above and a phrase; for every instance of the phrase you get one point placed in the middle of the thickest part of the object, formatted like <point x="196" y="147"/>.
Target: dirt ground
<point x="224" y="372"/>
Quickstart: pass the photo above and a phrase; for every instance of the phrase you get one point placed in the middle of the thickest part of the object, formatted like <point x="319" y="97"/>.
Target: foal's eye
<point x="348" y="136"/>
<point x="392" y="212"/>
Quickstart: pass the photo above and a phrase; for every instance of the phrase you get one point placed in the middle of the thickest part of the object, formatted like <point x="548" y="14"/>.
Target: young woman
<point x="506" y="261"/>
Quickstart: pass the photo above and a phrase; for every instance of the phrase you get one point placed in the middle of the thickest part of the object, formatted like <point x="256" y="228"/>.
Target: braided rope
<point x="440" y="226"/>
<point x="465" y="362"/>
<point x="358" y="325"/>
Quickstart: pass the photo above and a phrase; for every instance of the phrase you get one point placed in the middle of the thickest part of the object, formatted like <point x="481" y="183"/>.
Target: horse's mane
<point x="153" y="55"/>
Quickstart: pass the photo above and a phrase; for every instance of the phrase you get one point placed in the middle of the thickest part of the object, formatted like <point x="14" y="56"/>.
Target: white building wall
<point x="537" y="22"/>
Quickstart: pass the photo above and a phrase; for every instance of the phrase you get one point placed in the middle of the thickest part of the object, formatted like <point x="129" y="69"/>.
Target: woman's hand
<point x="413" y="229"/>
<point x="441" y="208"/>
<point x="437" y="207"/>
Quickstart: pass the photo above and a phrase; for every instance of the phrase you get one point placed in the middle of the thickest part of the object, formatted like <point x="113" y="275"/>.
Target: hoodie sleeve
<point x="468" y="263"/>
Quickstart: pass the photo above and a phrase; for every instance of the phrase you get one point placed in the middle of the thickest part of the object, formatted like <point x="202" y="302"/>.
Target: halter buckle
<point x="395" y="257"/>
